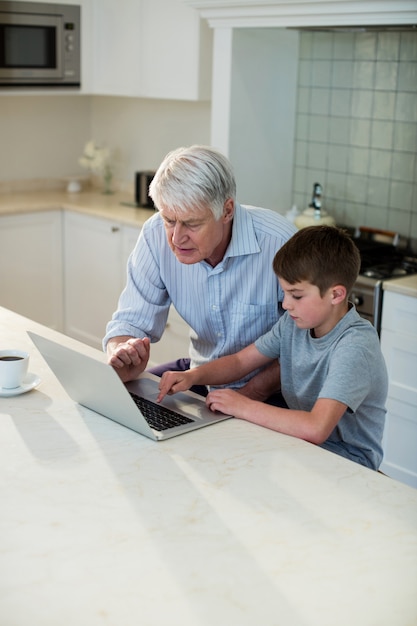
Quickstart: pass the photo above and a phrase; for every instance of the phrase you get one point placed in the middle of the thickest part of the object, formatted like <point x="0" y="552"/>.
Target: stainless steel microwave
<point x="39" y="44"/>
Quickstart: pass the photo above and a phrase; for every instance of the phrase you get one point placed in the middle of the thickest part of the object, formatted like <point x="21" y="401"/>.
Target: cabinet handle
<point x="115" y="229"/>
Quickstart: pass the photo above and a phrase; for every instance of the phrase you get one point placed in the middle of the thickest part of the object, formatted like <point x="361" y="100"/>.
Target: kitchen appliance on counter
<point x="315" y="213"/>
<point x="39" y="44"/>
<point x="383" y="257"/>
<point x="142" y="182"/>
<point x="142" y="199"/>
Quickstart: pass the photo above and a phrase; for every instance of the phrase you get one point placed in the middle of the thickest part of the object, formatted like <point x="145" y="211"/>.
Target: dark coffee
<point x="11" y="358"/>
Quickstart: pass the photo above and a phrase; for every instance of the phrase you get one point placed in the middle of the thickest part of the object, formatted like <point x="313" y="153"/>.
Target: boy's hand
<point x="229" y="402"/>
<point x="172" y="382"/>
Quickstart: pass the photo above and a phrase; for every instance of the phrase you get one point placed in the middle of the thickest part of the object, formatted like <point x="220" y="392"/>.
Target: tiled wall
<point x="356" y="127"/>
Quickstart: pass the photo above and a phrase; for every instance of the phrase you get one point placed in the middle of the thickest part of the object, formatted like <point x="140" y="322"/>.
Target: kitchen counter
<point x="231" y="524"/>
<point x="407" y="285"/>
<point x="88" y="202"/>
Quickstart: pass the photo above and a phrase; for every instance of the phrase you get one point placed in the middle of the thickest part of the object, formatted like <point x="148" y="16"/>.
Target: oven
<point x="384" y="256"/>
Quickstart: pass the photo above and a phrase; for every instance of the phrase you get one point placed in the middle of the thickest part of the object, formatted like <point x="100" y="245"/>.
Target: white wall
<point x="262" y="115"/>
<point x="43" y="136"/>
<point x="142" y="131"/>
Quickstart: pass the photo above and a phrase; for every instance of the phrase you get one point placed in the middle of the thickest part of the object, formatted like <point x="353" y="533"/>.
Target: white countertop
<point x="407" y="285"/>
<point x="88" y="202"/>
<point x="113" y="207"/>
<point x="230" y="525"/>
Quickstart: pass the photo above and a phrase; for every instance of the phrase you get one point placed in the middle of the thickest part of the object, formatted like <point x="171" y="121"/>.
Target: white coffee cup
<point x="13" y="368"/>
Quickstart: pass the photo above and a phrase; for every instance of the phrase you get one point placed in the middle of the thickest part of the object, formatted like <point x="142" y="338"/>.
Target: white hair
<point x="192" y="179"/>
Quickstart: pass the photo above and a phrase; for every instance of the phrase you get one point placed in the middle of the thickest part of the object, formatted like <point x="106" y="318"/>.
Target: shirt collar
<point x="244" y="240"/>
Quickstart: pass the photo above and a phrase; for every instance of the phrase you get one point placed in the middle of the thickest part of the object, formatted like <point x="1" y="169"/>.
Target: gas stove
<point x="383" y="257"/>
<point x="389" y="266"/>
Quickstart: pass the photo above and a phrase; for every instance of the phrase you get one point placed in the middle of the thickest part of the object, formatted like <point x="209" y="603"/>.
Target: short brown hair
<point x="322" y="255"/>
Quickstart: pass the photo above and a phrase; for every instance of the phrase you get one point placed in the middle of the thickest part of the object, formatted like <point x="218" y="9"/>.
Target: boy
<point x="333" y="375"/>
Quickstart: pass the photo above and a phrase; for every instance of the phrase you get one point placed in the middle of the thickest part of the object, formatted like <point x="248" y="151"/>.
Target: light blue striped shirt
<point x="227" y="307"/>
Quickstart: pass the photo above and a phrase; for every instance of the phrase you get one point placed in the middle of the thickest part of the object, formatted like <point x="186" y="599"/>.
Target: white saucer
<point x="31" y="381"/>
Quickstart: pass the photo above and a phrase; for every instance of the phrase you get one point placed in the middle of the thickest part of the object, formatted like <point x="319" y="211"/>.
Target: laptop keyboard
<point x="157" y="416"/>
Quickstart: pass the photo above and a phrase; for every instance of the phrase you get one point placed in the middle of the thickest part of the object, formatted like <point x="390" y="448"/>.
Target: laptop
<point x="96" y="385"/>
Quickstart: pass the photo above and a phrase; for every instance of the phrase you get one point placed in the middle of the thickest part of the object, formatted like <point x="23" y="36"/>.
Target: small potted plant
<point x="98" y="161"/>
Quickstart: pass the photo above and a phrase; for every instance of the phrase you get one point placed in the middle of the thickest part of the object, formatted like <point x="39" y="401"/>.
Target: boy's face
<point x="308" y="308"/>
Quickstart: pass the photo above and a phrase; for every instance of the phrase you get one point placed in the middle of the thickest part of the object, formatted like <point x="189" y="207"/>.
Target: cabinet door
<point x="399" y="346"/>
<point x="400" y="442"/>
<point x="31" y="266"/>
<point x="92" y="260"/>
<point x="115" y="49"/>
<point x="400" y="434"/>
<point x="176" y="55"/>
<point x="149" y="48"/>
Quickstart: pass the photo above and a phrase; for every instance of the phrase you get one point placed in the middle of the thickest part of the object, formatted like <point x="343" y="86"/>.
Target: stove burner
<point x="399" y="271"/>
<point x="380" y="261"/>
<point x="388" y="266"/>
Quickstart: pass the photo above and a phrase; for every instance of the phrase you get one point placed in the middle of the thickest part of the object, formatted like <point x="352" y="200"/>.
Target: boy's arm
<point x="221" y="371"/>
<point x="314" y="426"/>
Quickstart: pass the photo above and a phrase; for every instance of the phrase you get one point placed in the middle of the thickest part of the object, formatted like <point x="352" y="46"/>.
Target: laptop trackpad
<point x="189" y="404"/>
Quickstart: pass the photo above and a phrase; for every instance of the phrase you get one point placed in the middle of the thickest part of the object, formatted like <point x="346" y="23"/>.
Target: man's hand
<point x="172" y="382"/>
<point x="128" y="356"/>
<point x="264" y="384"/>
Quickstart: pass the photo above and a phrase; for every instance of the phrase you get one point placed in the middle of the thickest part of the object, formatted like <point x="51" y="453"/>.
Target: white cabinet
<point x="176" y="55"/>
<point x="95" y="255"/>
<point x="114" y="50"/>
<point x="66" y="270"/>
<point x="148" y="48"/>
<point x="399" y="346"/>
<point x="31" y="266"/>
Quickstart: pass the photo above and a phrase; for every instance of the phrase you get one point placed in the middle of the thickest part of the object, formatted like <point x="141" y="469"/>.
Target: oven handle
<point x="376" y="231"/>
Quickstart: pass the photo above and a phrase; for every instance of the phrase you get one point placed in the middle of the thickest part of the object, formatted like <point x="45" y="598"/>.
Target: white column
<point x="221" y="90"/>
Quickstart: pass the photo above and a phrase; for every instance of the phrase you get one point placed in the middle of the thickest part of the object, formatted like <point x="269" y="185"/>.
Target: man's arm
<point x="129" y="356"/>
<point x="264" y="384"/>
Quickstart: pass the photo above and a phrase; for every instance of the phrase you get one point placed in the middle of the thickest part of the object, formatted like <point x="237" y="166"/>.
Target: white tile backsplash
<point x="365" y="46"/>
<point x="388" y="46"/>
<point x="405" y="137"/>
<point x="362" y="104"/>
<point x="400" y="195"/>
<point x="383" y="105"/>
<point x="340" y="103"/>
<point x="359" y="119"/>
<point x="406" y="107"/>
<point x="386" y="75"/>
<point x="407" y="77"/>
<point x="382" y="134"/>
<point x="320" y="101"/>
<point x="360" y="132"/>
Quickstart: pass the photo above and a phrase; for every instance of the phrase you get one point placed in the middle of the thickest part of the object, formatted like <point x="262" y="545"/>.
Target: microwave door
<point x="30" y="48"/>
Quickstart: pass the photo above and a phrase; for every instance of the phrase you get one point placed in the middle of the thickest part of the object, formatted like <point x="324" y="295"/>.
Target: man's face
<point x="197" y="236"/>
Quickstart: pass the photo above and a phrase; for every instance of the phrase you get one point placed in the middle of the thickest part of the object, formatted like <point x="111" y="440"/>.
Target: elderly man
<point x="208" y="256"/>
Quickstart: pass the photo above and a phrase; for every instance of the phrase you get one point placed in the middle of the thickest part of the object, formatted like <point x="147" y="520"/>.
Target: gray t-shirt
<point x="345" y="365"/>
